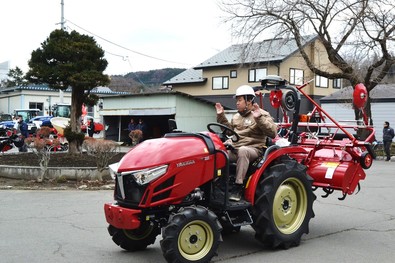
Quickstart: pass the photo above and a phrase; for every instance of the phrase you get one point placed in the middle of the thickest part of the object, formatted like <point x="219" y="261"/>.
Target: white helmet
<point x="244" y="90"/>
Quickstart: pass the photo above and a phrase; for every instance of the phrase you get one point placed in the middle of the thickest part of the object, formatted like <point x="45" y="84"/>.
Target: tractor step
<point x="230" y="205"/>
<point x="239" y="217"/>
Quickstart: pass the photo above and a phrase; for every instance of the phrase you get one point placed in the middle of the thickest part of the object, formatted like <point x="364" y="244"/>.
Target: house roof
<point x="269" y="50"/>
<point x="382" y="93"/>
<point x="44" y="87"/>
<point x="188" y="76"/>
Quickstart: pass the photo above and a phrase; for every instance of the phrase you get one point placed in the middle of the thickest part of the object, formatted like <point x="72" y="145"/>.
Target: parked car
<point x="6" y="121"/>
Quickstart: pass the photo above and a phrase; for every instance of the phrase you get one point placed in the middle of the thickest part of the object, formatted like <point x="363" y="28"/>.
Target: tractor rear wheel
<point x="284" y="205"/>
<point x="136" y="239"/>
<point x="193" y="234"/>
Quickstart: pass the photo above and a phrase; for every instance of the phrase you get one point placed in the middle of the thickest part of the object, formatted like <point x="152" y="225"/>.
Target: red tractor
<point x="178" y="185"/>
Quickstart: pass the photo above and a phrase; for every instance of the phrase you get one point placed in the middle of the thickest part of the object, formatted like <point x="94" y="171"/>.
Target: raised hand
<point x="256" y="111"/>
<point x="219" y="108"/>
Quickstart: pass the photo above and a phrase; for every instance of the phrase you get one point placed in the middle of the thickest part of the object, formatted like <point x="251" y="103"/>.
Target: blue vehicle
<point x="6" y="121"/>
<point x="42" y="121"/>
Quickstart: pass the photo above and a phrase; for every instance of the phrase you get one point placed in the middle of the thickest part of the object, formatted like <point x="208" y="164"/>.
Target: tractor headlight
<point x="147" y="175"/>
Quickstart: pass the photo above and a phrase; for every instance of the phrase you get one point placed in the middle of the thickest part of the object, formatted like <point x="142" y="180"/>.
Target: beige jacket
<point x="252" y="131"/>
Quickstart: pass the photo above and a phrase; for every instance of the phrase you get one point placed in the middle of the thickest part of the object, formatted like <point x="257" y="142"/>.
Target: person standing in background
<point x="91" y="127"/>
<point x="23" y="130"/>
<point x="388" y="135"/>
<point x="143" y="128"/>
<point x="132" y="126"/>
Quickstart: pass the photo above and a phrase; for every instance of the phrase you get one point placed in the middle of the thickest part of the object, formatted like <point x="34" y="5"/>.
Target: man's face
<point x="385" y="125"/>
<point x="240" y="103"/>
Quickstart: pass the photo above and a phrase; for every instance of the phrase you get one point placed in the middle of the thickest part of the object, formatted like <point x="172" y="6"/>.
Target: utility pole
<point x="62" y="22"/>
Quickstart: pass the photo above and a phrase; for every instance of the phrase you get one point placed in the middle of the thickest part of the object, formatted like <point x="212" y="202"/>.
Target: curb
<point x="33" y="172"/>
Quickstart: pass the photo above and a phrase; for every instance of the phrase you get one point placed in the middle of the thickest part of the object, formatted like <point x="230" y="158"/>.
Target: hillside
<point x="143" y="81"/>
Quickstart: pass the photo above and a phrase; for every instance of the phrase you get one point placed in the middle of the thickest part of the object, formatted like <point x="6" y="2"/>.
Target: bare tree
<point x="358" y="35"/>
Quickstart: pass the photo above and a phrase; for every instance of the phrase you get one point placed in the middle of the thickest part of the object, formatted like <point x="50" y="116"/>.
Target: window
<point x="89" y="111"/>
<point x="255" y="75"/>
<point x="220" y="82"/>
<point x="337" y="83"/>
<point x="36" y="105"/>
<point x="321" y="82"/>
<point x="233" y="74"/>
<point x="296" y="76"/>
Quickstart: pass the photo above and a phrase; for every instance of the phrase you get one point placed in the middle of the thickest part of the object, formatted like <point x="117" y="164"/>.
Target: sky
<point x="136" y="35"/>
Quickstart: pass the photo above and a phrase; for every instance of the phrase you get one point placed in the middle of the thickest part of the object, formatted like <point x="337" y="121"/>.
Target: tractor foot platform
<point x="239" y="217"/>
<point x="236" y="213"/>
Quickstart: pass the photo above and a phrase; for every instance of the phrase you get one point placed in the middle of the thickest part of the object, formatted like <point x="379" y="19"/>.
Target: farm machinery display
<point x="178" y="185"/>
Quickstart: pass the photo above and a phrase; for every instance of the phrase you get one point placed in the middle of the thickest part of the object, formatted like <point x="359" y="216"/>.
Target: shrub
<point x="42" y="147"/>
<point x="103" y="150"/>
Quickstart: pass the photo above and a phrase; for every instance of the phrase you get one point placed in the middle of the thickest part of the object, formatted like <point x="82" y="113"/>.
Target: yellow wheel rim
<point x="289" y="206"/>
<point x="195" y="240"/>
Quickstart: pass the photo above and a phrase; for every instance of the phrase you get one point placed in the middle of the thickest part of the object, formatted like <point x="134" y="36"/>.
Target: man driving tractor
<point x="253" y="125"/>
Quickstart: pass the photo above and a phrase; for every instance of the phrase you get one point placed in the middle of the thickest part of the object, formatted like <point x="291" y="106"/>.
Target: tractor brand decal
<point x="331" y="169"/>
<point x="205" y="150"/>
<point x="182" y="164"/>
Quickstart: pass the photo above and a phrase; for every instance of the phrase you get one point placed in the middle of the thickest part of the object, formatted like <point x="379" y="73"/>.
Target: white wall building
<point x="339" y="106"/>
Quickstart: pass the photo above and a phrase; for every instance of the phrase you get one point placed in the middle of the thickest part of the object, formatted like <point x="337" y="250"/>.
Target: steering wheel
<point x="225" y="129"/>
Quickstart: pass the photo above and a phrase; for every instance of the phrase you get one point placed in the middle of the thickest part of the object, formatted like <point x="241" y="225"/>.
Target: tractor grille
<point x="132" y="191"/>
<point x="166" y="184"/>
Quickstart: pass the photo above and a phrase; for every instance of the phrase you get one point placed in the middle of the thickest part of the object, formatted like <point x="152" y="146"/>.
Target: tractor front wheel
<point x="193" y="234"/>
<point x="284" y="205"/>
<point x="136" y="239"/>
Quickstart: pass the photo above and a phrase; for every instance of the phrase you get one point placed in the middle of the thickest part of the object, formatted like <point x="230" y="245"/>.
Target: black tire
<point x="284" y="205"/>
<point x="136" y="239"/>
<point x="193" y="234"/>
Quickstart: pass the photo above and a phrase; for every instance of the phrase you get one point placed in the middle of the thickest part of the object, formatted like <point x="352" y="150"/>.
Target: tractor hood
<point x="155" y="152"/>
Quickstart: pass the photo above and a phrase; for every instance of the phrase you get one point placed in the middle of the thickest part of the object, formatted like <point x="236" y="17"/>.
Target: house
<point x="217" y="78"/>
<point x="339" y="106"/>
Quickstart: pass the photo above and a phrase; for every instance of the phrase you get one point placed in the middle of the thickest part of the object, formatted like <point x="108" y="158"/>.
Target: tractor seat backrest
<point x="261" y="159"/>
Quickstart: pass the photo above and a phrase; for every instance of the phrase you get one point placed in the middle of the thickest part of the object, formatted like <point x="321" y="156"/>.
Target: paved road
<point x="69" y="226"/>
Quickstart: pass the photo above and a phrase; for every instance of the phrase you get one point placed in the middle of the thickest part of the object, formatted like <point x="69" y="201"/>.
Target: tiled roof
<point x="266" y="51"/>
<point x="188" y="76"/>
<point x="44" y="87"/>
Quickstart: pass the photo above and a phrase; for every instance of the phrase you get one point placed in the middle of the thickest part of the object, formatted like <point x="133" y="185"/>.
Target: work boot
<point x="236" y="192"/>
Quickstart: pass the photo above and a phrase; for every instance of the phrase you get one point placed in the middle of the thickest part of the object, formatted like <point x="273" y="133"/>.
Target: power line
<point x="133" y="51"/>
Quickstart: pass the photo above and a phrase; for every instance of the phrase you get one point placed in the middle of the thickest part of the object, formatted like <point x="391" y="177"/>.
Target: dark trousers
<point x="387" y="149"/>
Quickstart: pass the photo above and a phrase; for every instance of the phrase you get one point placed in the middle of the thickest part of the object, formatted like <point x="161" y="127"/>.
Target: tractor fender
<point x="267" y="162"/>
